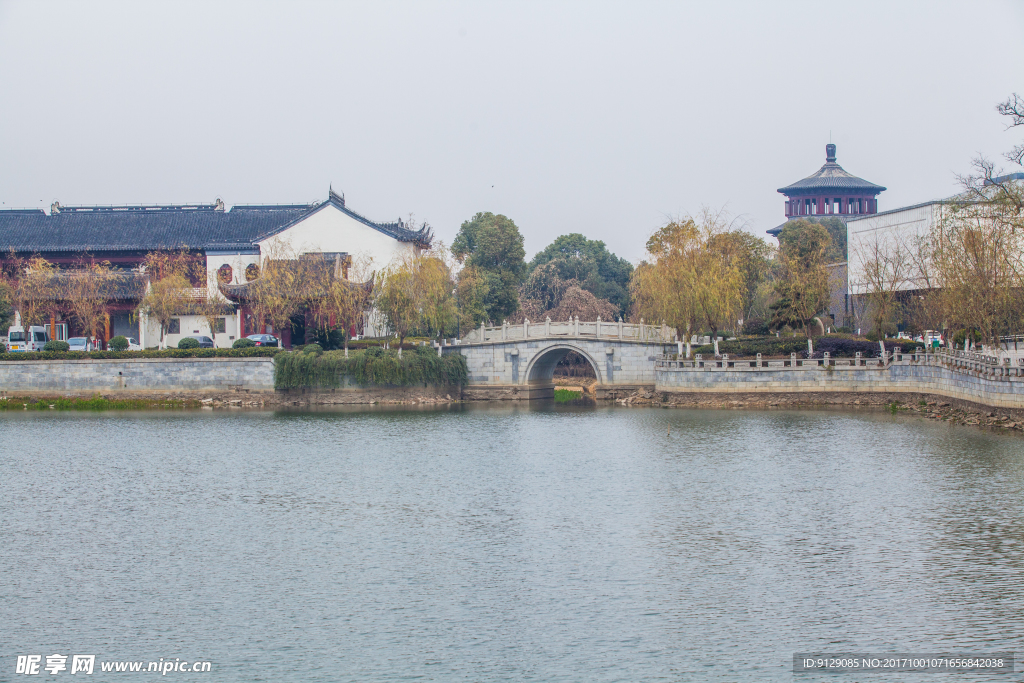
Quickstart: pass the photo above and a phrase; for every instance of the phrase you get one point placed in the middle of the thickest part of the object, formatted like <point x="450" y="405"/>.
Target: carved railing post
<point x="504" y="329"/>
<point x="547" y="326"/>
<point x="576" y="326"/>
<point x="483" y="331"/>
<point x="526" y="328"/>
<point x="620" y="327"/>
<point x="597" y="327"/>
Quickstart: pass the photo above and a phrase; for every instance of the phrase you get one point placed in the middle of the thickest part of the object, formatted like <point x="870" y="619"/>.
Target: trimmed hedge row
<point x="836" y="346"/>
<point x="258" y="352"/>
<point x="373" y="367"/>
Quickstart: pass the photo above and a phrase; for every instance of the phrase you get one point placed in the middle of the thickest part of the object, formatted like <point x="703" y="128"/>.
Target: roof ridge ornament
<point x="332" y="195"/>
<point x="830" y="153"/>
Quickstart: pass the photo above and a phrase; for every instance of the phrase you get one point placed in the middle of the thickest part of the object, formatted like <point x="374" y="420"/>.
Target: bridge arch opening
<point x="571" y="360"/>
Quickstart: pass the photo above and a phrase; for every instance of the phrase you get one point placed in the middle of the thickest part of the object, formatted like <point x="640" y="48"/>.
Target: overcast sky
<point x="599" y="118"/>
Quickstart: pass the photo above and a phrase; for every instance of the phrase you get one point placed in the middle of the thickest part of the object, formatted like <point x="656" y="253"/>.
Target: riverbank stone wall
<point x="157" y="376"/>
<point x="895" y="378"/>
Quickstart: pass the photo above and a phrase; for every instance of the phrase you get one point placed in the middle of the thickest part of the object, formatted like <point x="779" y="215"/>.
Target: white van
<point x="34" y="340"/>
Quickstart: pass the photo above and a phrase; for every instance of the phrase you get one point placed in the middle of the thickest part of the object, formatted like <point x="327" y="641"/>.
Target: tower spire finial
<point x="830" y="152"/>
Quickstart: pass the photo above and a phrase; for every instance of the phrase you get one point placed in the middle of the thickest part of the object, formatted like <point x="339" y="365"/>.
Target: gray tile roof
<point x="830" y="176"/>
<point x="95" y="229"/>
<point x="150" y="228"/>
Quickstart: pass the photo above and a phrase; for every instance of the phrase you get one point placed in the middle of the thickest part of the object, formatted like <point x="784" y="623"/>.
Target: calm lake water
<point x="540" y="543"/>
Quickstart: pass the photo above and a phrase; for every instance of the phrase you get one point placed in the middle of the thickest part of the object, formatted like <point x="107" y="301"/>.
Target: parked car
<point x="33" y="340"/>
<point x="204" y="342"/>
<point x="79" y="344"/>
<point x="134" y="345"/>
<point x="263" y="339"/>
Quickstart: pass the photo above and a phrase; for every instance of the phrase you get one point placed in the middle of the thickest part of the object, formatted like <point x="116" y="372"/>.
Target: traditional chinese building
<point x="230" y="243"/>
<point x="830" y="191"/>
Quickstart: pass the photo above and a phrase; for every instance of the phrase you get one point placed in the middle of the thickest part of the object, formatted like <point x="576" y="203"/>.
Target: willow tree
<point x="281" y="290"/>
<point x="172" y="291"/>
<point x="690" y="279"/>
<point x="87" y="291"/>
<point x="418" y="293"/>
<point x="395" y="298"/>
<point x="36" y="296"/>
<point x="435" y="286"/>
<point x="338" y="290"/>
<point x="804" y="287"/>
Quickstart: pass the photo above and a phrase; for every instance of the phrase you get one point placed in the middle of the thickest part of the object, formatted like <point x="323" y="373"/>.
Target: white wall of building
<point x="188" y="325"/>
<point x="332" y="230"/>
<point x="238" y="262"/>
<point x="896" y="229"/>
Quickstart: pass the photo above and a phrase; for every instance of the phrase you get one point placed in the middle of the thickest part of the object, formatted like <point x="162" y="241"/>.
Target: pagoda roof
<point x="830" y="176"/>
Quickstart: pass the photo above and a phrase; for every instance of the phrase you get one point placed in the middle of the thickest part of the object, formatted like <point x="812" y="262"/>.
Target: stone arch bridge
<point x="518" y="361"/>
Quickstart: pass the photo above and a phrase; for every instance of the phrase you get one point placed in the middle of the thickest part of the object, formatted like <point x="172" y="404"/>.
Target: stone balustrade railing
<point x="960" y="361"/>
<point x="599" y="329"/>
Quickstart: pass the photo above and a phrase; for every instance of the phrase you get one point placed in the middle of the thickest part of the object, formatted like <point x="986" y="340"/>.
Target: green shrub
<point x="313" y="348"/>
<point x="243" y="343"/>
<point x="118" y="343"/>
<point x="188" y="343"/>
<point x="257" y="352"/>
<point x="329" y="340"/>
<point x="756" y="327"/>
<point x="842" y="347"/>
<point x="372" y="367"/>
<point x="960" y="336"/>
<point x="3" y="347"/>
<point x="766" y="346"/>
<point x="567" y="395"/>
<point x="56" y="345"/>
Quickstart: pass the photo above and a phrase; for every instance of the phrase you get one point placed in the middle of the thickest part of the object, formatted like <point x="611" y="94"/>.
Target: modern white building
<point x="896" y="229"/>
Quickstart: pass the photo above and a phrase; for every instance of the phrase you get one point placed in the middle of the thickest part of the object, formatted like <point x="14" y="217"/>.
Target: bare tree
<point x="979" y="262"/>
<point x="888" y="269"/>
<point x="87" y="291"/>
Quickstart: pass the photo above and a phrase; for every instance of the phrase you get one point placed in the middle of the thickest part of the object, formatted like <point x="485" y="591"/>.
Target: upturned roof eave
<point x="797" y="188"/>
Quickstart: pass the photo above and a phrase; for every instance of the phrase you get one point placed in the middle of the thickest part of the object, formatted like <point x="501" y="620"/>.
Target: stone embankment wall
<point x="137" y="376"/>
<point x="909" y="375"/>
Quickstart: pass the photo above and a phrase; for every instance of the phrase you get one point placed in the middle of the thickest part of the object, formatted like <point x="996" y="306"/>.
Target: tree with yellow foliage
<point x="691" y="279"/>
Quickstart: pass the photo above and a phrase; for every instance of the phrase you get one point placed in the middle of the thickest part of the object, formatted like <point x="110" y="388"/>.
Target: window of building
<point x="220" y="326"/>
<point x="225" y="273"/>
<point x="174" y="326"/>
<point x="252" y="271"/>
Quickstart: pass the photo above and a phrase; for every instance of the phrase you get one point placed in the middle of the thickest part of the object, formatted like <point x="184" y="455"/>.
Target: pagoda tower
<point x="830" y="191"/>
